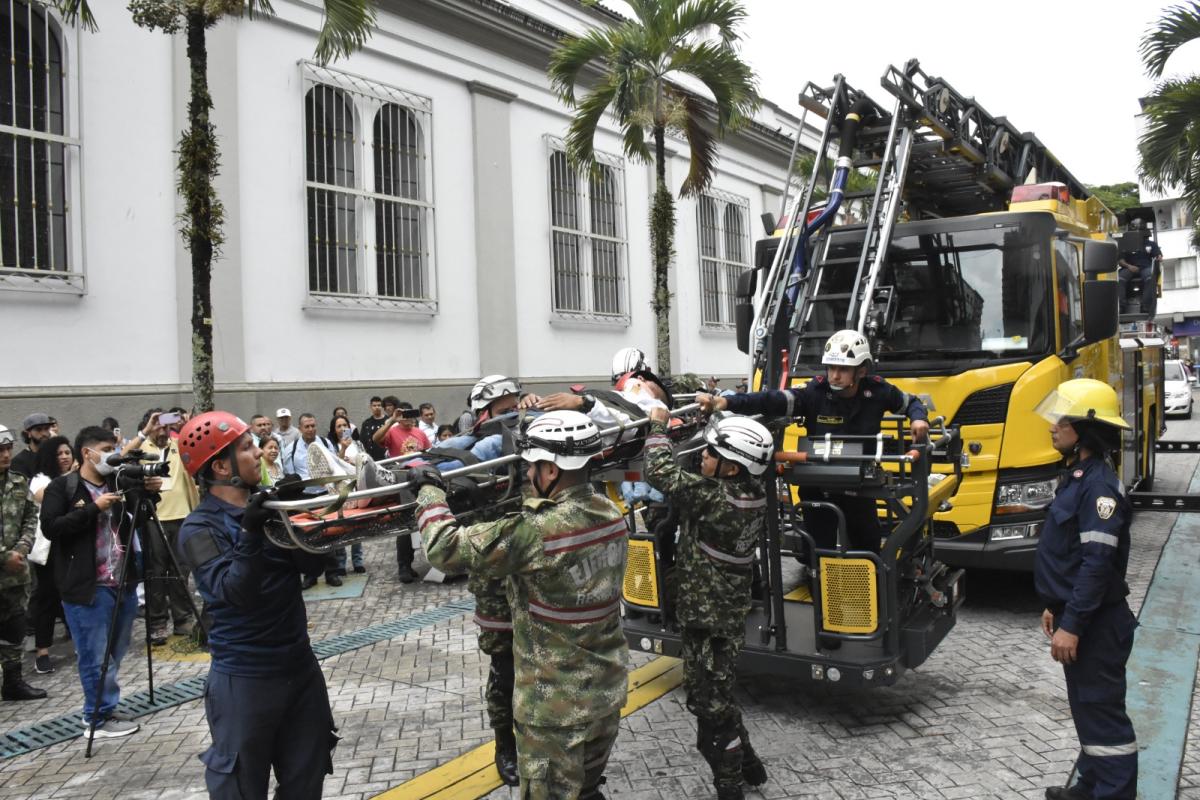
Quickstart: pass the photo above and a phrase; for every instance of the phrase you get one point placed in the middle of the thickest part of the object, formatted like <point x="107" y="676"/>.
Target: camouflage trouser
<point x="14" y="601"/>
<point x="494" y="619"/>
<point x="709" y="675"/>
<point x="564" y="763"/>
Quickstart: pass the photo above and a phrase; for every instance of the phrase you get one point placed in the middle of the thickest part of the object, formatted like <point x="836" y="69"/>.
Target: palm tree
<point x="345" y="28"/>
<point x="641" y="62"/>
<point x="1170" y="145"/>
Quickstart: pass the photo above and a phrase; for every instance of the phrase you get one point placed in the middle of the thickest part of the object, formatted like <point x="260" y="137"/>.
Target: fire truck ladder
<point x="936" y="154"/>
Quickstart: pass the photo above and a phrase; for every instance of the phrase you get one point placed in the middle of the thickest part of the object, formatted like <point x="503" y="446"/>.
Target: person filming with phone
<point x="400" y="434"/>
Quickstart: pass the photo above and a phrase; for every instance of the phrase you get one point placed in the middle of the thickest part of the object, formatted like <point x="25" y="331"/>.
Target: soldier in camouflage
<point x="721" y="515"/>
<point x="18" y="522"/>
<point x="563" y="555"/>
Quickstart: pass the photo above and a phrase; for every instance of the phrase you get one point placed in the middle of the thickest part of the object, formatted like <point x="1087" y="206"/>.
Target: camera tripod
<point x="144" y="520"/>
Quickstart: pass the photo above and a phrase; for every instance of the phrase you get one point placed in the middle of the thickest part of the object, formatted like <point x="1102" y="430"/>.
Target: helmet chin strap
<point x="236" y="481"/>
<point x="549" y="490"/>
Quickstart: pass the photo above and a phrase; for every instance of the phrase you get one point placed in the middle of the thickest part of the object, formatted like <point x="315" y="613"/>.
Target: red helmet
<point x="206" y="435"/>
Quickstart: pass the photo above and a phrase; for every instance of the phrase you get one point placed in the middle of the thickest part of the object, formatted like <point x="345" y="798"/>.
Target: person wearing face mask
<point x="88" y="524"/>
<point x="847" y="399"/>
<point x="563" y="556"/>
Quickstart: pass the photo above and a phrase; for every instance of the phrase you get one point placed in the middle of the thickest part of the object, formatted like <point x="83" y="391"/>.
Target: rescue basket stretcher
<point x="328" y="522"/>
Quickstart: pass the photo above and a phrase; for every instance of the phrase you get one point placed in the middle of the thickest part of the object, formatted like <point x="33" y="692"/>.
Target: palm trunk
<point x="199" y="160"/>
<point x="662" y="233"/>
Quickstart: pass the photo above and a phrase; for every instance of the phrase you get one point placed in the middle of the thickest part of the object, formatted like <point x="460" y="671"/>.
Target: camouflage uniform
<point x="720" y="522"/>
<point x="18" y="523"/>
<point x="494" y="619"/>
<point x="564" y="559"/>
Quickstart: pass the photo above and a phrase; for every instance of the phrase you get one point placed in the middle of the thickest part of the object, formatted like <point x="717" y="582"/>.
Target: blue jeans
<point x="484" y="449"/>
<point x="356" y="557"/>
<point x="89" y="628"/>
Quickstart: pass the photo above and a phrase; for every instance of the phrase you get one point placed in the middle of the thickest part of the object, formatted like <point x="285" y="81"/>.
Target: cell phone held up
<point x="410" y="413"/>
<point x="169" y="418"/>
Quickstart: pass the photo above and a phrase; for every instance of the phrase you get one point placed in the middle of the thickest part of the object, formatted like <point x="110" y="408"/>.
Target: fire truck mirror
<point x="1099" y="310"/>
<point x="1099" y="257"/>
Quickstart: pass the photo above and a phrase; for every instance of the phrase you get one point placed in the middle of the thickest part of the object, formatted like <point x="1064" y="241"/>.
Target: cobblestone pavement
<point x="985" y="717"/>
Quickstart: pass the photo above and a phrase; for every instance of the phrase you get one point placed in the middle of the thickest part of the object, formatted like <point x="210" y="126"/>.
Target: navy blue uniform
<point x="1146" y="260"/>
<point x="1082" y="556"/>
<point x="822" y="410"/>
<point x="266" y="701"/>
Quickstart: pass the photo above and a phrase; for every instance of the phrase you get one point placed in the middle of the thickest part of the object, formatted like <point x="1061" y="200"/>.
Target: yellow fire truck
<point x="984" y="275"/>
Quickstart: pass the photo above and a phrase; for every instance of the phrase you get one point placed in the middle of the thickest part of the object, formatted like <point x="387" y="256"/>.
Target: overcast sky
<point x="1067" y="70"/>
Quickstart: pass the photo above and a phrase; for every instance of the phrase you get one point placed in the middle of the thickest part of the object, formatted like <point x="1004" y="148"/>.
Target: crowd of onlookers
<point x="74" y="508"/>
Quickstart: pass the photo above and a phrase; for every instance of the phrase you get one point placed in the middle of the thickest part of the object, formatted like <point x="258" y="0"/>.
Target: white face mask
<point x="1149" y="248"/>
<point x="102" y="466"/>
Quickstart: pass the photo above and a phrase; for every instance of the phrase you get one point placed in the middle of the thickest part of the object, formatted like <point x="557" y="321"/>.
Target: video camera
<point x="131" y="471"/>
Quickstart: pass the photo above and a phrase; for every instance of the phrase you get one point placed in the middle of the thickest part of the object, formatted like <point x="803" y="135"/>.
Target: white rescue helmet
<point x="742" y="440"/>
<point x="626" y="360"/>
<point x="846" y="348"/>
<point x="6" y="436"/>
<point x="490" y="388"/>
<point x="568" y="439"/>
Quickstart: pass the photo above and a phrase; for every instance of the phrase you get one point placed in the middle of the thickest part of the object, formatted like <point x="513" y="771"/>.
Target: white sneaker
<point x="113" y="728"/>
<point x="371" y="475"/>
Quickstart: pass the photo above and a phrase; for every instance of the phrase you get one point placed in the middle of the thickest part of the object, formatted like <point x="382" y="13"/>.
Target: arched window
<point x="400" y="251"/>
<point x="329" y="170"/>
<point x="33" y="143"/>
<point x="721" y="221"/>
<point x="587" y="250"/>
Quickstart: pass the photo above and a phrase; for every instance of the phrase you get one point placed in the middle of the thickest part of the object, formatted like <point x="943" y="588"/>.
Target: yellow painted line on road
<point x="473" y="774"/>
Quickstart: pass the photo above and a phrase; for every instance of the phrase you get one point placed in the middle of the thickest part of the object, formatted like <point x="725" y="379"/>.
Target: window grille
<point x="35" y="150"/>
<point x="368" y="179"/>
<point x="1179" y="273"/>
<point x="587" y="239"/>
<point x="724" y="249"/>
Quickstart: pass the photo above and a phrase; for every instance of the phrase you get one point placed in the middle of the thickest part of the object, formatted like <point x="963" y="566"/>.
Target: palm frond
<point x="346" y="27"/>
<point x="633" y="142"/>
<point x="571" y="56"/>
<point x="703" y="146"/>
<point x="1178" y="26"/>
<point x="1169" y="146"/>
<point x="724" y="15"/>
<point x="259" y="8"/>
<point x="582" y="131"/>
<point x="77" y="11"/>
<point x="730" y="80"/>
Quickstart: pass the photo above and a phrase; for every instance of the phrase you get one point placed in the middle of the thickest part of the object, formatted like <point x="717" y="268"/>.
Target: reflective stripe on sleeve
<point x="1099" y="537"/>
<point x="1108" y="750"/>
<point x="493" y="624"/>
<point x="657" y="440"/>
<point x="433" y="513"/>
<point x="724" y="557"/>
<point x="582" y="615"/>
<point x="791" y="403"/>
<point x="573" y="540"/>
<point x="738" y="501"/>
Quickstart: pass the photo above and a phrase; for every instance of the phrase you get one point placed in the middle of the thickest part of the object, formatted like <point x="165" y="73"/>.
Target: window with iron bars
<point x="724" y="249"/>
<point x="36" y="151"/>
<point x="587" y="239"/>
<point x="368" y="179"/>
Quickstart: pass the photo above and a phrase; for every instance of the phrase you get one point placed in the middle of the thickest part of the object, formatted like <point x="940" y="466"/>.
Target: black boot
<point x="1067" y="793"/>
<point x="753" y="771"/>
<point x="730" y="793"/>
<point x="506" y="756"/>
<point x="15" y="688"/>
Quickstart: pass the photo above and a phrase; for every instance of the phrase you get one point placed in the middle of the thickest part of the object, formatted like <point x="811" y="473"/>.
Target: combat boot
<point x="730" y="793"/>
<point x="15" y="688"/>
<point x="506" y="756"/>
<point x="1067" y="793"/>
<point x="753" y="770"/>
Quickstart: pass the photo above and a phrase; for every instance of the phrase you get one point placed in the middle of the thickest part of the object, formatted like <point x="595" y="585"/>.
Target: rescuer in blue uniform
<point x="1080" y="575"/>
<point x="266" y="702"/>
<point x="846" y="400"/>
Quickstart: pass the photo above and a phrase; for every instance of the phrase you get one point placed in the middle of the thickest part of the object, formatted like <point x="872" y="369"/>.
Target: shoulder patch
<point x="877" y="379"/>
<point x="200" y="548"/>
<point x="1105" y="506"/>
<point x="818" y="379"/>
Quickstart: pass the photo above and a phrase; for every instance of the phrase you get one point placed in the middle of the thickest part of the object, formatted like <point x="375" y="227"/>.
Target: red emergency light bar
<point x="1041" y="191"/>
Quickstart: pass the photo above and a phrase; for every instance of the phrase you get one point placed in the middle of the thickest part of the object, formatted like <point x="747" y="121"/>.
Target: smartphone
<point x="117" y="435"/>
<point x="411" y="413"/>
<point x="168" y="418"/>
<point x="346" y="433"/>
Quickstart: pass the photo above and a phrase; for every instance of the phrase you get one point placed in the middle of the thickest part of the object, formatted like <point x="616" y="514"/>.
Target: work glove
<point x="425" y="475"/>
<point x="256" y="515"/>
<point x="290" y="487"/>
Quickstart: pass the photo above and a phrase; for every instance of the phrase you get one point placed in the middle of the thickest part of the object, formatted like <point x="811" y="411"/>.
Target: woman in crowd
<point x="322" y="463"/>
<point x="53" y="458"/>
<point x="272" y="469"/>
<point x="445" y="432"/>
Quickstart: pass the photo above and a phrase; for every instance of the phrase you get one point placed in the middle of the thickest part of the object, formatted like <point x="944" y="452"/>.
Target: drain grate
<point x="137" y="704"/>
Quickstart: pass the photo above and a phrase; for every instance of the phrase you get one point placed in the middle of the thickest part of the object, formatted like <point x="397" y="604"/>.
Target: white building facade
<point x="401" y="221"/>
<point x="1179" y="307"/>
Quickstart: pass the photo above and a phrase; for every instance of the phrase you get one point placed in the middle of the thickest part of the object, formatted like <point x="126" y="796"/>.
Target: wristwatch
<point x="588" y="403"/>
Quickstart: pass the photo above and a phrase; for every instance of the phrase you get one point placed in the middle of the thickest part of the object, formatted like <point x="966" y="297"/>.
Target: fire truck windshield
<point x="976" y="292"/>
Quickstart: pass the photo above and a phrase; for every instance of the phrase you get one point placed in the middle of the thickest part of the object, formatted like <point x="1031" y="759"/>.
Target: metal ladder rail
<point x="771" y="298"/>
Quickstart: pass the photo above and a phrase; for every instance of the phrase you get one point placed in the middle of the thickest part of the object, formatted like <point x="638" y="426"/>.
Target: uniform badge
<point x="1105" y="506"/>
<point x="867" y="393"/>
<point x="1078" y="473"/>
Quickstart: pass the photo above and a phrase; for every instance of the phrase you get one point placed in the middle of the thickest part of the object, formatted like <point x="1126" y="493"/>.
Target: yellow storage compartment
<point x="641" y="583"/>
<point x="849" y="595"/>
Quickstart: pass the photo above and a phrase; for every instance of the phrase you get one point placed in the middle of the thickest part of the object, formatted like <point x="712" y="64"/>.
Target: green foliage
<point x="1169" y="147"/>
<point x="1117" y="196"/>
